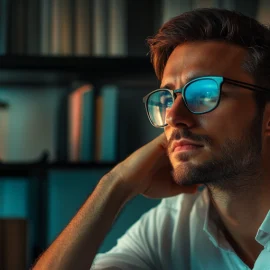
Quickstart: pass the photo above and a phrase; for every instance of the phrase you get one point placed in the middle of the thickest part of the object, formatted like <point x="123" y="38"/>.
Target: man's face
<point x="230" y="135"/>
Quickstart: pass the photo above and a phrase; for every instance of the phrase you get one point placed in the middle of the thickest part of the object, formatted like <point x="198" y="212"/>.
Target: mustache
<point x="178" y="134"/>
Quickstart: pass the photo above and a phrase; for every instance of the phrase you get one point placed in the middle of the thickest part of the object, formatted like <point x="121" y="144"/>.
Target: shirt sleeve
<point x="136" y="249"/>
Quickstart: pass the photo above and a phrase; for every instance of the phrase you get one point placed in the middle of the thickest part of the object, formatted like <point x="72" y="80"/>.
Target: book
<point x="33" y="27"/>
<point x="87" y="126"/>
<point x="117" y="28"/>
<point x="56" y="27"/>
<point x="46" y="27"/>
<point x="75" y="102"/>
<point x="107" y="124"/>
<point x="4" y="128"/>
<point x="4" y="26"/>
<point x="17" y="27"/>
<point x="82" y="27"/>
<point x="100" y="27"/>
<point x="98" y="126"/>
<point x="66" y="27"/>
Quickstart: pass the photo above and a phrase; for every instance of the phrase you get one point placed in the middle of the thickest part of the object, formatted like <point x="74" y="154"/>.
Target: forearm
<point x="77" y="245"/>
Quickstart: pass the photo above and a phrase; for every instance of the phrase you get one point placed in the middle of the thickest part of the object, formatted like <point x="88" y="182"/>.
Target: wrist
<point x="118" y="187"/>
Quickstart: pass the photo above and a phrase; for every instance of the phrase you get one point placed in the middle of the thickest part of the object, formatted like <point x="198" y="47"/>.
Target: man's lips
<point x="185" y="145"/>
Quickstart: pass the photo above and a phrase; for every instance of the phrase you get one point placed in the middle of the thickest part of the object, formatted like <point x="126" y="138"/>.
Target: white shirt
<point x="180" y="233"/>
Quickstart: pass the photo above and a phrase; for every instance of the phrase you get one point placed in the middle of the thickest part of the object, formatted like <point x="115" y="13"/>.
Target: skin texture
<point x="235" y="137"/>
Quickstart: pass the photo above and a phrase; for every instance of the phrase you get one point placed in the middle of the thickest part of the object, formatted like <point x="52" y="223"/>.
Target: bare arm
<point x="146" y="171"/>
<point x="77" y="245"/>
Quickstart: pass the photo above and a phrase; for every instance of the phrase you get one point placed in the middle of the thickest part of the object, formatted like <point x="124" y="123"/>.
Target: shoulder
<point x="166" y="225"/>
<point x="179" y="212"/>
<point x="172" y="215"/>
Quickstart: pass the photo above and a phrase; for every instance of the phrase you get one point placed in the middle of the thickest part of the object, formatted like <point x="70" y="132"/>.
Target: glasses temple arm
<point x="252" y="87"/>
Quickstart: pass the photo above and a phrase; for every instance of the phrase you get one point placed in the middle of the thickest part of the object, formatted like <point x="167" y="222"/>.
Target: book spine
<point x="100" y="27"/>
<point x="17" y="29"/>
<point x="117" y="28"/>
<point x="21" y="26"/>
<point x="87" y="126"/>
<point x="56" y="27"/>
<point x="4" y="26"/>
<point x="46" y="27"/>
<point x="74" y="122"/>
<point x="98" y="126"/>
<point x="66" y="22"/>
<point x="32" y="27"/>
<point x="108" y="150"/>
<point x="82" y="26"/>
<point x="4" y="127"/>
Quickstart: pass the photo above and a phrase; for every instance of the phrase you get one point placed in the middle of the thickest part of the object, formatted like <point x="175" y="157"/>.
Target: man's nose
<point x="179" y="115"/>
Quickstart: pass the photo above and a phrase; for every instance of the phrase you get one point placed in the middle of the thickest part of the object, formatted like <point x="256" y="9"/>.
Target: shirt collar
<point x="211" y="227"/>
<point x="263" y="234"/>
<point x="215" y="234"/>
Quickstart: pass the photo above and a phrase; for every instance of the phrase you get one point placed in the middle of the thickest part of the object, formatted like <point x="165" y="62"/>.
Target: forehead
<point x="205" y="58"/>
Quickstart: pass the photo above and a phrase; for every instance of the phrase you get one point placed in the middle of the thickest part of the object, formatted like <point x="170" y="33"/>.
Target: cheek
<point x="228" y="120"/>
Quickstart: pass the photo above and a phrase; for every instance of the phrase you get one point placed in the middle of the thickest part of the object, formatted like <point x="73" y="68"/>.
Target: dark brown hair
<point x="215" y="24"/>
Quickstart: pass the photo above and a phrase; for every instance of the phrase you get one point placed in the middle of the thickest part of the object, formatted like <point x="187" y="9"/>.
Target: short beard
<point x="240" y="162"/>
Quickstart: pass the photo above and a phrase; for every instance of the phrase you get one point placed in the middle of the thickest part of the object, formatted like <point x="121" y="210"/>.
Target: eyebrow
<point x="189" y="77"/>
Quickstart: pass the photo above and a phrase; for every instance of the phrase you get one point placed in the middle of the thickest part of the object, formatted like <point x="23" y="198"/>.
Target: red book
<point x="75" y="121"/>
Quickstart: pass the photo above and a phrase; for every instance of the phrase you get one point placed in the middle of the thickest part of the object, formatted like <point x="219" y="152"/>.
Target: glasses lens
<point x="157" y="105"/>
<point x="202" y="95"/>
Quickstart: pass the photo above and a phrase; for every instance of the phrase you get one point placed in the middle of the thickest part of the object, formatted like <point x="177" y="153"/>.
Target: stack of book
<point x="92" y="124"/>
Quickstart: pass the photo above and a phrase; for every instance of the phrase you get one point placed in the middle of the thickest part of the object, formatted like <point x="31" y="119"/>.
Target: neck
<point x="237" y="208"/>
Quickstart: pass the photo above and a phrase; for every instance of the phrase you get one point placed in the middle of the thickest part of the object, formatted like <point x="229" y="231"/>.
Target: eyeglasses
<point x="201" y="95"/>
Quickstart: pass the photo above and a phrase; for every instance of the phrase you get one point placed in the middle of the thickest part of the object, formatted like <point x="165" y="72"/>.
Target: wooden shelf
<point x="26" y="169"/>
<point x="18" y="69"/>
<point x="72" y="63"/>
<point x="81" y="165"/>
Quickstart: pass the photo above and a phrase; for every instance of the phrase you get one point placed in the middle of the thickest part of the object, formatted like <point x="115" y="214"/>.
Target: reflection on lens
<point x="157" y="104"/>
<point x="202" y="95"/>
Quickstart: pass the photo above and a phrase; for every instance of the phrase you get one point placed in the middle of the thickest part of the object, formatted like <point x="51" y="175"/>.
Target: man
<point x="214" y="68"/>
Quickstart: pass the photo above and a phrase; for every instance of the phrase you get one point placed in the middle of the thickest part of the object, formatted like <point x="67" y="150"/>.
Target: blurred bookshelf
<point x="60" y="72"/>
<point x="48" y="46"/>
<point x="20" y="72"/>
<point x="63" y="70"/>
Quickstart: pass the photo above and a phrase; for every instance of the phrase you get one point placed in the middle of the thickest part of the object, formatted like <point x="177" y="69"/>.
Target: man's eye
<point x="165" y="100"/>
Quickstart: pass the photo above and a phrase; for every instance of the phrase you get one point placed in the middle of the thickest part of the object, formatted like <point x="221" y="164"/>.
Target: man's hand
<point x="148" y="171"/>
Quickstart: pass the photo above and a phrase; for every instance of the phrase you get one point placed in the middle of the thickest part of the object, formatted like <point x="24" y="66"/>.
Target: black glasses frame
<point x="218" y="79"/>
